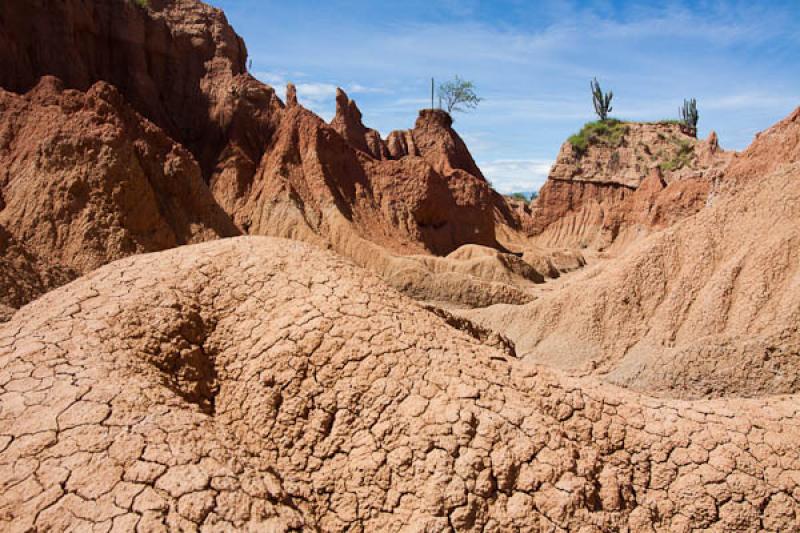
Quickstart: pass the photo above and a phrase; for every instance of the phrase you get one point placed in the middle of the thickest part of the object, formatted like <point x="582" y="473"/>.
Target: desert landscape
<point x="220" y="311"/>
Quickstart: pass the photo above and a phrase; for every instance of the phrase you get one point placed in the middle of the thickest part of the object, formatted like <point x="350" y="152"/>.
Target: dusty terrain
<point x="219" y="312"/>
<point x="260" y="382"/>
<point x="707" y="307"/>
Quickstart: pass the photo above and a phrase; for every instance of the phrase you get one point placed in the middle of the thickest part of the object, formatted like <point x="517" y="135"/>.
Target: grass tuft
<point x="610" y="132"/>
<point x="682" y="158"/>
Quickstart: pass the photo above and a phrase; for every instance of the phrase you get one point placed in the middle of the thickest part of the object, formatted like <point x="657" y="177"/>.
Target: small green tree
<point x="458" y="95"/>
<point x="689" y="117"/>
<point x="602" y="102"/>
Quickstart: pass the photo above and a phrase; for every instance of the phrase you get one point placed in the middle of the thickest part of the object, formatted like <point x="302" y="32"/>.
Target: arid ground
<point x="219" y="312"/>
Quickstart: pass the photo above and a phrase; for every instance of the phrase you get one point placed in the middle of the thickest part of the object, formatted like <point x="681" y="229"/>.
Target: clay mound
<point x="552" y="263"/>
<point x="624" y="184"/>
<point x="488" y="263"/>
<point x="263" y="384"/>
<point x="472" y="275"/>
<point x="87" y="180"/>
<point x="442" y="280"/>
<point x="709" y="306"/>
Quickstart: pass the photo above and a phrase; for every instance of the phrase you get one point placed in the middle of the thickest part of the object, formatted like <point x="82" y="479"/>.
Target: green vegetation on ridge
<point x="610" y="131"/>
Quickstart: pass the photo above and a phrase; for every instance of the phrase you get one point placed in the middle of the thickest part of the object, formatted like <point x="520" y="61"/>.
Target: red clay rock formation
<point x="181" y="65"/>
<point x="434" y="139"/>
<point x="400" y="143"/>
<point x="275" y="169"/>
<point x="592" y="198"/>
<point x="86" y="180"/>
<point x="309" y="173"/>
<point x="174" y="61"/>
<point x="262" y="384"/>
<point x="349" y="125"/>
<point x="291" y="95"/>
<point x="312" y="185"/>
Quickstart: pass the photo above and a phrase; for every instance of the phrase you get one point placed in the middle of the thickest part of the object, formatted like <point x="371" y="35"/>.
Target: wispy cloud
<point x="516" y="175"/>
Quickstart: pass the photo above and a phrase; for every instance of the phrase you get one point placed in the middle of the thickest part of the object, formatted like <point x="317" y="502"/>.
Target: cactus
<point x="602" y="102"/>
<point x="689" y="116"/>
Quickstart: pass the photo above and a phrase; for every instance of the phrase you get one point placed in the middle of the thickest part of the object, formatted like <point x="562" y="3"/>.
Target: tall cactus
<point x="689" y="117"/>
<point x="602" y="102"/>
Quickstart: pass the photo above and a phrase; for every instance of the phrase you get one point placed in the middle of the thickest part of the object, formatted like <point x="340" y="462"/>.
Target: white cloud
<point x="316" y="92"/>
<point x="516" y="175"/>
<point x="357" y="88"/>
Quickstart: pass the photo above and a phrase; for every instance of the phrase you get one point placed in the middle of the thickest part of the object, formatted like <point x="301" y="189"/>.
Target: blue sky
<point x="532" y="62"/>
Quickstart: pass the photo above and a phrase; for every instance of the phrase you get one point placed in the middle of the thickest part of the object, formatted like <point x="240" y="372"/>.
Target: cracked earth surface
<point x="258" y="383"/>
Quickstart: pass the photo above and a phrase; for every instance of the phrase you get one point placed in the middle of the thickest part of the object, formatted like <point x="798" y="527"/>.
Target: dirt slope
<point x="770" y="150"/>
<point x="709" y="306"/>
<point x="266" y="384"/>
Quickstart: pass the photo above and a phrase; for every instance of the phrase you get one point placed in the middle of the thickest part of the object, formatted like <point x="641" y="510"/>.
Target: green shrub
<point x="142" y="3"/>
<point x="610" y="132"/>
